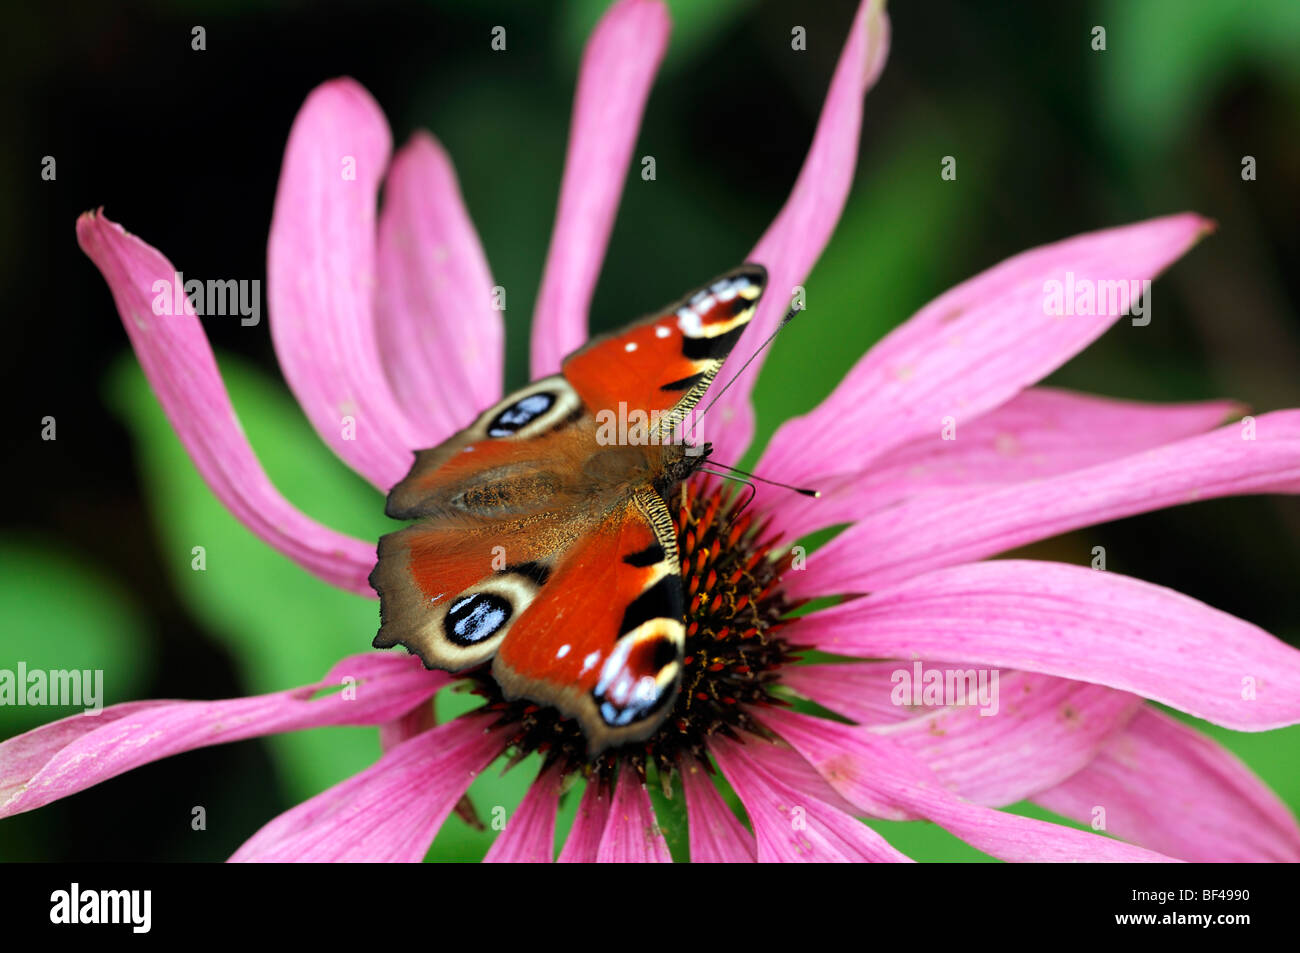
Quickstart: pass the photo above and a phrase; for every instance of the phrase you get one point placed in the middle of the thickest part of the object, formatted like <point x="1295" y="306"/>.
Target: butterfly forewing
<point x="664" y="363"/>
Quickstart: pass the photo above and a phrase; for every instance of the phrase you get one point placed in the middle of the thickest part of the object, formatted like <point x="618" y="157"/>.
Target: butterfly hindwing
<point x="664" y="363"/>
<point x="451" y="594"/>
<point x="607" y="649"/>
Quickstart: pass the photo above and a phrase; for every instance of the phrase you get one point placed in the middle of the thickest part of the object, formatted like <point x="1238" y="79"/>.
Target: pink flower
<point x="389" y="324"/>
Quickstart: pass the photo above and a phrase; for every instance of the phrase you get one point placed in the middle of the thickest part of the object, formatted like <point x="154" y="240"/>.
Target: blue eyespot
<point x="520" y="413"/>
<point x="471" y="619"/>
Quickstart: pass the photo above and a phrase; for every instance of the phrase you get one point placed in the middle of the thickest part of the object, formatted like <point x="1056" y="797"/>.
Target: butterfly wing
<point x="665" y="362"/>
<point x="607" y="650"/>
<point x="537" y="550"/>
<point x="515" y="458"/>
<point x="451" y="591"/>
<point x="498" y="503"/>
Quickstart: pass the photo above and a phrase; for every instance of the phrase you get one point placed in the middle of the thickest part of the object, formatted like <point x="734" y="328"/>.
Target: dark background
<point x="183" y="148"/>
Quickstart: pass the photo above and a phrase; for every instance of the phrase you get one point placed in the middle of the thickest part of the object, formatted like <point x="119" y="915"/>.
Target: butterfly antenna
<point x="789" y="316"/>
<point x="753" y="491"/>
<point x="815" y="494"/>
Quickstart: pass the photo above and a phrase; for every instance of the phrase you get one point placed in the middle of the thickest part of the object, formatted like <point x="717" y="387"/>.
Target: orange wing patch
<point x="663" y="364"/>
<point x="609" y="653"/>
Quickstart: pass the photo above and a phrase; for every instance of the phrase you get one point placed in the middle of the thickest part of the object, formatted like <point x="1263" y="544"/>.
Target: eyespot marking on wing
<point x="451" y="630"/>
<point x="471" y="619"/>
<point x="640" y="677"/>
<point x="521" y="412"/>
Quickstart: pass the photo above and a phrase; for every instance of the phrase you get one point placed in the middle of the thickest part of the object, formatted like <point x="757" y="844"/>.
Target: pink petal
<point x="321" y="280"/>
<point x="1043" y="730"/>
<point x="72" y="754"/>
<point x="441" y="341"/>
<point x="1036" y="434"/>
<point x="618" y="67"/>
<point x="529" y="835"/>
<point x="795" y="239"/>
<point x="717" y="836"/>
<point x="23" y="756"/>
<point x="391" y="811"/>
<point x="861" y="691"/>
<point x="632" y="834"/>
<point x="790" y="824"/>
<point x="1166" y="786"/>
<point x="588" y="826"/>
<point x="1076" y="623"/>
<point x="177" y="360"/>
<point x="969" y="350"/>
<point x="937" y="529"/>
<point x="793" y="770"/>
<point x="883" y="779"/>
<point x="414" y="722"/>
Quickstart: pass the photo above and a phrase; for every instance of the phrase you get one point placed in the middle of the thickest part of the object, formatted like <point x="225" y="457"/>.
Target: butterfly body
<point x="544" y="543"/>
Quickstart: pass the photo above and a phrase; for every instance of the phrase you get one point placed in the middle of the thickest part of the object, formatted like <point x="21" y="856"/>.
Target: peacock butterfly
<point x="547" y="547"/>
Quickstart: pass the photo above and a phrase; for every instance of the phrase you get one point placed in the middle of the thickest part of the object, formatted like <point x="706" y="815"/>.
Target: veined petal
<point x="409" y="724"/>
<point x="441" y="340"/>
<point x="1076" y="623"/>
<point x="178" y="362"/>
<point x="321" y="280"/>
<point x="860" y="690"/>
<point x="1039" y="730"/>
<point x="588" y="826"/>
<point x="1038" y="433"/>
<point x="795" y="239"/>
<point x="1166" y="786"/>
<point x="938" y="530"/>
<point x="1036" y="732"/>
<point x="717" y="836"/>
<point x="618" y="68"/>
<point x="74" y="753"/>
<point x="391" y="811"/>
<point x="972" y="349"/>
<point x="873" y="773"/>
<point x="790" y="824"/>
<point x="529" y="836"/>
<point x="632" y="834"/>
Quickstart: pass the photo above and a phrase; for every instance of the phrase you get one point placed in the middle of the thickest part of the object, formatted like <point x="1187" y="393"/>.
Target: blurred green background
<point x="183" y="147"/>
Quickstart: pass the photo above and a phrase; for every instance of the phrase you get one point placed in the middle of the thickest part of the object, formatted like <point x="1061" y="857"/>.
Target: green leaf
<point x="62" y="615"/>
<point x="1166" y="59"/>
<point x="283" y="626"/>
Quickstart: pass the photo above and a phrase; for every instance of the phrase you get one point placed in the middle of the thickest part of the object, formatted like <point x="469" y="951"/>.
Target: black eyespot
<point x="471" y="619"/>
<point x="520" y="413"/>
